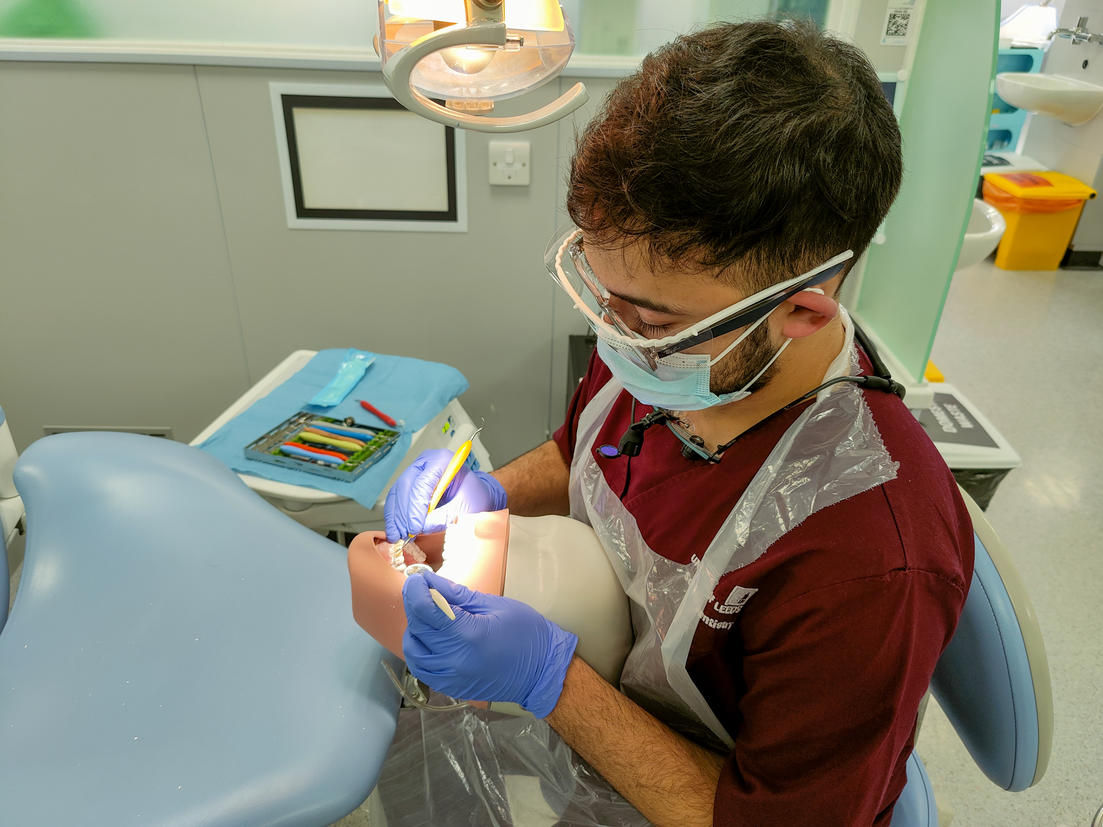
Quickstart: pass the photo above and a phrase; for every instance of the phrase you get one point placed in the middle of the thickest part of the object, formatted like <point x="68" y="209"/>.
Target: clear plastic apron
<point x="831" y="452"/>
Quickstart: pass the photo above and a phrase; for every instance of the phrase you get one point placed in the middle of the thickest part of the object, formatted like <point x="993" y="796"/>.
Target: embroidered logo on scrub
<point x="734" y="604"/>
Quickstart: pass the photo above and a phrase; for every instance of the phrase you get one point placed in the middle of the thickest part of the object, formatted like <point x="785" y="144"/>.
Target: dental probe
<point x="446" y="478"/>
<point x="453" y="468"/>
<point x="438" y="598"/>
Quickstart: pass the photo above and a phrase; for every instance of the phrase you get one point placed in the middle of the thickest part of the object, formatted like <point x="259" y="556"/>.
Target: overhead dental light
<point x="472" y="53"/>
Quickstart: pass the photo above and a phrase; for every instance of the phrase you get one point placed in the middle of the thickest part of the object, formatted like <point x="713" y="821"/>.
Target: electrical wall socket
<point x="509" y="163"/>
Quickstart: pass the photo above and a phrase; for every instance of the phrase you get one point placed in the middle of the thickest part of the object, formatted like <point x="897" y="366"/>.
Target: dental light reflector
<point x="472" y="53"/>
<point x="533" y="15"/>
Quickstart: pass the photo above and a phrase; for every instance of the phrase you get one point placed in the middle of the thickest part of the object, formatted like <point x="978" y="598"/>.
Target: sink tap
<point x="1078" y="35"/>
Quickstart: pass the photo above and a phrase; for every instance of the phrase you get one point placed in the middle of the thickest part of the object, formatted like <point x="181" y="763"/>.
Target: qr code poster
<point x="898" y="25"/>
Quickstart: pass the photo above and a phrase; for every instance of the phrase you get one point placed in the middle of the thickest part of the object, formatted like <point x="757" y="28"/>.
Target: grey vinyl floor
<point x="1026" y="348"/>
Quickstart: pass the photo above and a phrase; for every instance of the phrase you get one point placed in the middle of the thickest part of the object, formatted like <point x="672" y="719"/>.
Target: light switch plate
<point x="509" y="163"/>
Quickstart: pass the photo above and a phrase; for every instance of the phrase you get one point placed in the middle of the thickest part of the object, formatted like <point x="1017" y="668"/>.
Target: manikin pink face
<point x="475" y="557"/>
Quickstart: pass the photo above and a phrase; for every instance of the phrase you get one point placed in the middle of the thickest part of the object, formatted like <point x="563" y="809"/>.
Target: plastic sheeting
<point x="478" y="768"/>
<point x="833" y="451"/>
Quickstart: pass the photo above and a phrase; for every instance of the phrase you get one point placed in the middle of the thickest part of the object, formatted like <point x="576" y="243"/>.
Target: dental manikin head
<point x="554" y="564"/>
<point x="472" y="553"/>
<point x="737" y="161"/>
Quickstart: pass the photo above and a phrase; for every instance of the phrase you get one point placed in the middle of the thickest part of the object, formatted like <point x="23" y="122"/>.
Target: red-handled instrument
<point x="370" y="408"/>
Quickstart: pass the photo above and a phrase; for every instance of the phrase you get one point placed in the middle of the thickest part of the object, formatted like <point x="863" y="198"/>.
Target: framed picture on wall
<point x="352" y="158"/>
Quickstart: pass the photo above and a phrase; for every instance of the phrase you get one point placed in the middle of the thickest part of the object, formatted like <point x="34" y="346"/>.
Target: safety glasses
<point x="565" y="260"/>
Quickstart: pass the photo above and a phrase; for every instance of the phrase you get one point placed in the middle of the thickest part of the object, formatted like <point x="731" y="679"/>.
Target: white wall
<point x="1074" y="150"/>
<point x="150" y="278"/>
<point x="869" y="27"/>
<point x="273" y="22"/>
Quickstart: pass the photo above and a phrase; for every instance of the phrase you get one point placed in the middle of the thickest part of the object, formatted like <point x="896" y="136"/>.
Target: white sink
<point x="1068" y="99"/>
<point x="984" y="231"/>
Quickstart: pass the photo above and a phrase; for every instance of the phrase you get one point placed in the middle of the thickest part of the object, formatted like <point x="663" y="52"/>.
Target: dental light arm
<point x="397" y="72"/>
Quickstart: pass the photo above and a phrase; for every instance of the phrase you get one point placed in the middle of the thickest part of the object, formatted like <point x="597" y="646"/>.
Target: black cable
<point x="628" y="465"/>
<point x="880" y="380"/>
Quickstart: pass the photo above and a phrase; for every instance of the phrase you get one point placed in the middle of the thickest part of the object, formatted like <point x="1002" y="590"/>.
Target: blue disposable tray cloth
<point x="408" y="389"/>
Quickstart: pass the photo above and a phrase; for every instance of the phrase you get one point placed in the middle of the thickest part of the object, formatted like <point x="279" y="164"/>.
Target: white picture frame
<point x="351" y="158"/>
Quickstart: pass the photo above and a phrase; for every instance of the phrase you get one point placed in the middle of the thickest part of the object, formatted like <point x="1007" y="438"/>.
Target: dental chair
<point x="179" y="652"/>
<point x="992" y="682"/>
<point x="11" y="506"/>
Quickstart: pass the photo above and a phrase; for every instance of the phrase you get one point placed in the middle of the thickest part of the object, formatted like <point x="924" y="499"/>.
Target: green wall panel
<point x="943" y="121"/>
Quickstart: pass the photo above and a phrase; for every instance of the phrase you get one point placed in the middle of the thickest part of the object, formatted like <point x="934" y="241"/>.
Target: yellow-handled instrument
<point x="450" y="472"/>
<point x="453" y="468"/>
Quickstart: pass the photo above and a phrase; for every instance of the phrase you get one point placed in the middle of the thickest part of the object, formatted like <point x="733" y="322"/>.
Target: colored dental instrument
<point x="450" y="471"/>
<point x="438" y="598"/>
<point x="337" y="430"/>
<point x="370" y="408"/>
<point x="322" y="438"/>
<point x="318" y="454"/>
<point x="314" y="429"/>
<point x="453" y="468"/>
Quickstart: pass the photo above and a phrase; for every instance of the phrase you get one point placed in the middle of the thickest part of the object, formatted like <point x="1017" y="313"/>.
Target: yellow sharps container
<point x="1041" y="210"/>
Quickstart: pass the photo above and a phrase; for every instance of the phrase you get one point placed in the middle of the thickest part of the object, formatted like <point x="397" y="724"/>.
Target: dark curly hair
<point x="757" y="149"/>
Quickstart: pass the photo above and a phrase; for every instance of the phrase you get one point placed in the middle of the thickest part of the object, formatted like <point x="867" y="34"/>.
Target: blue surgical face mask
<point x="681" y="381"/>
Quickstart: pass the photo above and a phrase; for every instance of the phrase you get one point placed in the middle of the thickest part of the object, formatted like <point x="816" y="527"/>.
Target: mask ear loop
<point x="766" y="367"/>
<point x="748" y="332"/>
<point x="739" y="340"/>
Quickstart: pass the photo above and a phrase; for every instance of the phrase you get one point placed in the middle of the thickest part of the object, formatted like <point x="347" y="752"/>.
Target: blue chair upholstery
<point x="5" y="587"/>
<point x="916" y="807"/>
<point x="179" y="651"/>
<point x="992" y="682"/>
<point x="11" y="507"/>
<point x="993" y="679"/>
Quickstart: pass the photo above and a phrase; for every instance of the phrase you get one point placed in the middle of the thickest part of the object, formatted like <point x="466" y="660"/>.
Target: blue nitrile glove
<point x="408" y="499"/>
<point x="497" y="648"/>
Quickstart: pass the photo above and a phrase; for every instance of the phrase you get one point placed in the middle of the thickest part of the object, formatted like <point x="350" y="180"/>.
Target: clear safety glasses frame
<point x="594" y="302"/>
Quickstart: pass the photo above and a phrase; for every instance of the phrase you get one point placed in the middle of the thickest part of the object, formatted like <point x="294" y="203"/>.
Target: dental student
<point x="794" y="548"/>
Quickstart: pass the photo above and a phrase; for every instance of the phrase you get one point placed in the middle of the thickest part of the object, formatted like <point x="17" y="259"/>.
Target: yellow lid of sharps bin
<point x="1045" y="186"/>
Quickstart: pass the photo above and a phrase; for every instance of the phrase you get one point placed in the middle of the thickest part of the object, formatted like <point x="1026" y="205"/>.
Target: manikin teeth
<point x="401" y="552"/>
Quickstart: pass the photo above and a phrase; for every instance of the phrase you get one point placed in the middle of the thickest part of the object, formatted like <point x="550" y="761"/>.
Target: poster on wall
<point x="899" y="22"/>
<point x="352" y="158"/>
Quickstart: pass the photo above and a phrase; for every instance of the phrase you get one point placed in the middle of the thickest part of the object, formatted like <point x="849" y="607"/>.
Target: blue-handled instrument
<point x="338" y="430"/>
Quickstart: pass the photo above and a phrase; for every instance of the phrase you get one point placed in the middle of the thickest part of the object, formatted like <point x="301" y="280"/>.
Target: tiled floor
<point x="1027" y="349"/>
